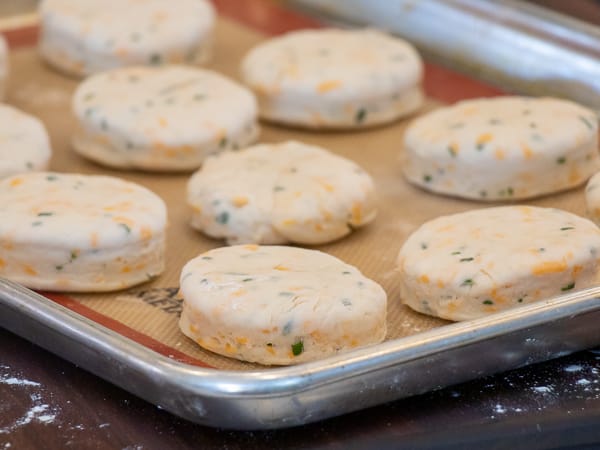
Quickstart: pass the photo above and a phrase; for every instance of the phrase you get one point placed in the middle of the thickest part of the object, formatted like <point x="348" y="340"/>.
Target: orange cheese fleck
<point x="94" y="239"/>
<point x="484" y="138"/>
<point x="281" y="267"/>
<point x="527" y="152"/>
<point x="327" y="86"/>
<point x="239" y="201"/>
<point x="145" y="233"/>
<point x="16" y="181"/>
<point x="163" y="122"/>
<point x="251" y="247"/>
<point x="356" y="213"/>
<point x="2" y="263"/>
<point x="549" y="267"/>
<point x="29" y="270"/>
<point x="424" y="279"/>
<point x="499" y="154"/>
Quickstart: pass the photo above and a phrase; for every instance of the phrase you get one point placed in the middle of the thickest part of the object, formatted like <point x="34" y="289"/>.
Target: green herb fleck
<point x="223" y="142"/>
<point x="346" y="272"/>
<point x="29" y="165"/>
<point x="245" y="280"/>
<point x="561" y="160"/>
<point x="74" y="254"/>
<point x="297" y="347"/>
<point x="586" y="122"/>
<point x="526" y="112"/>
<point x="125" y="227"/>
<point x="37" y="223"/>
<point x="155" y="58"/>
<point x="495" y="121"/>
<point x="452" y="151"/>
<point x="532" y="125"/>
<point x="286" y="294"/>
<point x="89" y="96"/>
<point x="59" y="268"/>
<point x="278" y="188"/>
<point x="269" y="344"/>
<point x="361" y="115"/>
<point x="45" y="214"/>
<point x="104" y="125"/>
<point x="520" y="300"/>
<point x="483" y="194"/>
<point x="488" y="302"/>
<point x="427" y="178"/>
<point x="567" y="228"/>
<point x="346" y="302"/>
<point x="468" y="282"/>
<point x="480" y="146"/>
<point x="199" y="97"/>
<point x="222" y="218"/>
<point x="206" y="258"/>
<point x="424" y="246"/>
<point x="51" y="178"/>
<point x="466" y="259"/>
<point x="287" y="328"/>
<point x="509" y="191"/>
<point x="455" y="253"/>
<point x="568" y="287"/>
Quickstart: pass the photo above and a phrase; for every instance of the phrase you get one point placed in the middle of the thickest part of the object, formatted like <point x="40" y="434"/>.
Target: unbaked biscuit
<point x="502" y="148"/>
<point x="592" y="198"/>
<point x="278" y="193"/>
<point x="24" y="143"/>
<point x="66" y="232"/>
<point x="161" y="118"/>
<point x="471" y="264"/>
<point x="332" y="78"/>
<point x="85" y="37"/>
<point x="279" y="305"/>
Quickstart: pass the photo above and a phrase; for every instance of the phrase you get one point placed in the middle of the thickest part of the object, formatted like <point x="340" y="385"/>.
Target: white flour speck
<point x="583" y="382"/>
<point x="542" y="389"/>
<point x="573" y="368"/>
<point x="499" y="409"/>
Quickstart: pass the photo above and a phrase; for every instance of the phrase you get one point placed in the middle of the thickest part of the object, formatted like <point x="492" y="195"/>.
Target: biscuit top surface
<point x="334" y="62"/>
<point x="77" y="211"/>
<point x="490" y="247"/>
<point x="171" y="105"/>
<point x="279" y="281"/>
<point x="130" y="25"/>
<point x="502" y="127"/>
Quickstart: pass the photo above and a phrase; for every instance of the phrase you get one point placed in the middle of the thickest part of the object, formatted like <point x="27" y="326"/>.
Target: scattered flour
<point x="37" y="411"/>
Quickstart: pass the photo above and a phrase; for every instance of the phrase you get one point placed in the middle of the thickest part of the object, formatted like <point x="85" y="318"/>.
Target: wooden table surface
<point x="48" y="403"/>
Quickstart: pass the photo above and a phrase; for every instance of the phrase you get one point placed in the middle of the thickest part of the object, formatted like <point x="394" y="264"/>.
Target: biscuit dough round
<point x="85" y="233"/>
<point x="161" y="118"/>
<point x="502" y="148"/>
<point x="592" y="198"/>
<point x="279" y="305"/>
<point x="90" y="36"/>
<point x="278" y="193"/>
<point x="4" y="67"/>
<point x="468" y="265"/>
<point x="334" y="78"/>
<point x="24" y="143"/>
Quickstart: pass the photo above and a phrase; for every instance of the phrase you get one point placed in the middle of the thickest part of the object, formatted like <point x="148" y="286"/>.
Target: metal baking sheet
<point x="284" y="397"/>
<point x="254" y="397"/>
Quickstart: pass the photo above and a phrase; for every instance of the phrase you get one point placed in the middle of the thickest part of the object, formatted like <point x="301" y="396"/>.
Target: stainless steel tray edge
<point x="290" y="396"/>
